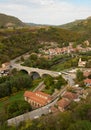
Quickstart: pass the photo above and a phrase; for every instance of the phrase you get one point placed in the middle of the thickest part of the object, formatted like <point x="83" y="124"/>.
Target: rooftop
<point x="87" y="81"/>
<point x="38" y="97"/>
<point x="63" y="103"/>
<point x="86" y="74"/>
<point x="70" y="95"/>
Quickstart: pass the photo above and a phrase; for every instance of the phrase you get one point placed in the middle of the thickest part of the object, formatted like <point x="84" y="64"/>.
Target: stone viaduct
<point x="31" y="70"/>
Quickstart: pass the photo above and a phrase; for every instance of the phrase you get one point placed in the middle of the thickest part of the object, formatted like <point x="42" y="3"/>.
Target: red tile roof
<point x="38" y="97"/>
<point x="88" y="81"/>
<point x="63" y="103"/>
<point x="28" y="94"/>
<point x="70" y="95"/>
<point x="54" y="109"/>
<point x="87" y="74"/>
<point x="43" y="94"/>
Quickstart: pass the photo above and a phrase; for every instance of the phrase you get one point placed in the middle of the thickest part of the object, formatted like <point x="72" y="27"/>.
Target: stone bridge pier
<point x="31" y="70"/>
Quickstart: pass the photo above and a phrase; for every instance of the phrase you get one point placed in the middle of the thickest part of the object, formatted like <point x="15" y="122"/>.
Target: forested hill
<point x="16" y="42"/>
<point x="9" y="21"/>
<point x="79" y="25"/>
<point x="70" y="25"/>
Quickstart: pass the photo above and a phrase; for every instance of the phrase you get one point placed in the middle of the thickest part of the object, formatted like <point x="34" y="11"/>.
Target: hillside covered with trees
<point x="82" y="26"/>
<point x="79" y="25"/>
<point x="13" y="43"/>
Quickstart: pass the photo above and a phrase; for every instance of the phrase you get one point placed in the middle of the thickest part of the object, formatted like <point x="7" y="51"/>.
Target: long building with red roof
<point x="37" y="99"/>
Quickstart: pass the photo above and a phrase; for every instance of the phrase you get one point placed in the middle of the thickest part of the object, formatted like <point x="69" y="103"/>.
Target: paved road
<point x="40" y="87"/>
<point x="67" y="77"/>
<point x="31" y="115"/>
<point x="70" y="79"/>
<point x="36" y="113"/>
<point x="43" y="110"/>
<point x="26" y="55"/>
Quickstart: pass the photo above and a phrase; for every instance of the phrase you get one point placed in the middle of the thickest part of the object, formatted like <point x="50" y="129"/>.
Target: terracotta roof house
<point x="37" y="99"/>
<point x="86" y="74"/>
<point x="78" y="90"/>
<point x="87" y="82"/>
<point x="81" y="93"/>
<point x="53" y="109"/>
<point x="71" y="96"/>
<point x="63" y="104"/>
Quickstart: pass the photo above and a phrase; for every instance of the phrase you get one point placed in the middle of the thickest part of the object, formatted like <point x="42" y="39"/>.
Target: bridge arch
<point x="34" y="75"/>
<point x="23" y="71"/>
<point x="45" y="75"/>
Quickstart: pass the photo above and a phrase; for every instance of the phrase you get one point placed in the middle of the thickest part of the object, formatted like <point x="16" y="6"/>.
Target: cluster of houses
<point x="87" y="81"/>
<point x="57" y="51"/>
<point x="39" y="99"/>
<point x="75" y="93"/>
<point x="67" y="50"/>
<point x="68" y="97"/>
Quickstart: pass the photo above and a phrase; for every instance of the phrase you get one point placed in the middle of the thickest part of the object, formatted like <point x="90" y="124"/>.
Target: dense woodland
<point x="13" y="43"/>
<point x="13" y="84"/>
<point x="82" y="26"/>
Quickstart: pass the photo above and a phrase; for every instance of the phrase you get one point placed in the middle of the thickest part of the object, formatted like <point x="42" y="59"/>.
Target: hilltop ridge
<point x="9" y="21"/>
<point x="82" y="25"/>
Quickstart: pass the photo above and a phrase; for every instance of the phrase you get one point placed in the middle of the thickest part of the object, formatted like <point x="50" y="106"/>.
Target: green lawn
<point x="61" y="66"/>
<point x="18" y="95"/>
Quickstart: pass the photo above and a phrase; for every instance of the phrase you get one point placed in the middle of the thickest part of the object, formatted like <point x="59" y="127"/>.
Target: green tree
<point x="65" y="119"/>
<point x="48" y="81"/>
<point x="82" y="111"/>
<point x="80" y="125"/>
<point x="58" y="85"/>
<point x="79" y="75"/>
<point x="17" y="107"/>
<point x="60" y="81"/>
<point x="33" y="57"/>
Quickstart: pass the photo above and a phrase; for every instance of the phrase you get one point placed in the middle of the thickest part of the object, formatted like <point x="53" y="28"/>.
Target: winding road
<point x="35" y="113"/>
<point x="43" y="110"/>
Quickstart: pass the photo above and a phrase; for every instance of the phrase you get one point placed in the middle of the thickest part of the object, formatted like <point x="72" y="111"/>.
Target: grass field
<point x="61" y="66"/>
<point x="17" y="96"/>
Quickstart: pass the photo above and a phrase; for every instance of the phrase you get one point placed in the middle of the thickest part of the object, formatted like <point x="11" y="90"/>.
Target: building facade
<point x="37" y="99"/>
